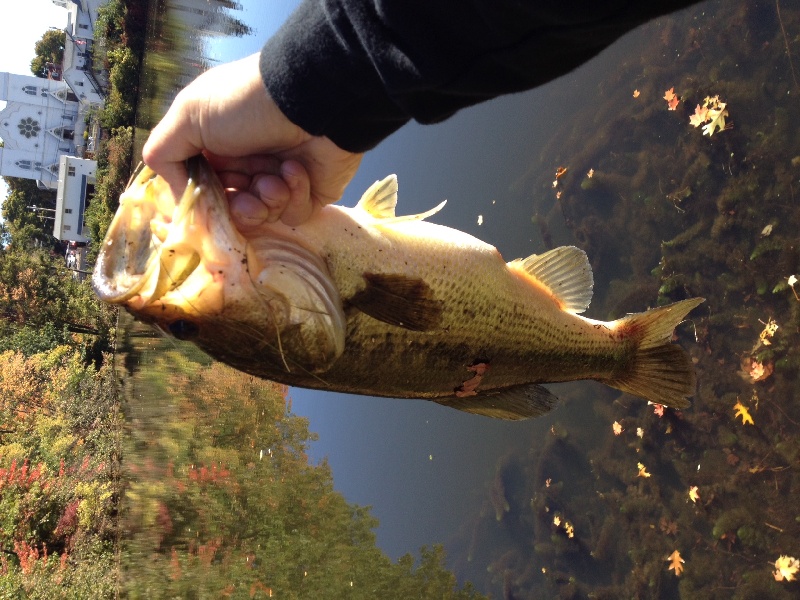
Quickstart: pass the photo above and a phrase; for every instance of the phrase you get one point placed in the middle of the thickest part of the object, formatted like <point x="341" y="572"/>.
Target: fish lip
<point x="132" y="260"/>
<point x="106" y="277"/>
<point x="129" y="259"/>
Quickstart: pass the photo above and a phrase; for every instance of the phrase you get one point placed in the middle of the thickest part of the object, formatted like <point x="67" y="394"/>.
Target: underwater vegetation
<point x="692" y="192"/>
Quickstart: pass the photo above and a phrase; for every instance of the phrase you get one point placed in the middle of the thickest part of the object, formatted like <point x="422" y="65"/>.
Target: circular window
<point x="29" y="127"/>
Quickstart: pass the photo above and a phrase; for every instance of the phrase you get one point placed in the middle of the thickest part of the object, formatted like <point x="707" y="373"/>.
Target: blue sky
<point x="23" y="25"/>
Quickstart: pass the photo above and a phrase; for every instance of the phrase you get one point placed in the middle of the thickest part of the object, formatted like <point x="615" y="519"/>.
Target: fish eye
<point x="183" y="329"/>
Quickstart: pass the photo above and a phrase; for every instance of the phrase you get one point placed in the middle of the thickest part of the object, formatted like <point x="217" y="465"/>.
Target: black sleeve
<point x="357" y="70"/>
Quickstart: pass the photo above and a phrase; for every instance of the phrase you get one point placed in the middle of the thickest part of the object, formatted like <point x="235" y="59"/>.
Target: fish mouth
<point x="184" y="267"/>
<point x="155" y="243"/>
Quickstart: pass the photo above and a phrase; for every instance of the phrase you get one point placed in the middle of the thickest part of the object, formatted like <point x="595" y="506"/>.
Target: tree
<point x="38" y="292"/>
<point x="227" y="503"/>
<point x="50" y="48"/>
<point x="25" y="227"/>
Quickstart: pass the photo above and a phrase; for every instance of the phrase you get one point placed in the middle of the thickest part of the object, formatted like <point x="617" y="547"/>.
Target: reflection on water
<point x="562" y="506"/>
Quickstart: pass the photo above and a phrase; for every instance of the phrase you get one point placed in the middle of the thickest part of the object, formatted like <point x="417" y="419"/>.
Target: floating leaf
<point x="741" y="411"/>
<point x="785" y="568"/>
<point x="676" y="563"/>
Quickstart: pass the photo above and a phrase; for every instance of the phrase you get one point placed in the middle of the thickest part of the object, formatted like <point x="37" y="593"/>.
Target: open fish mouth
<point x="184" y="267"/>
<point x="154" y="244"/>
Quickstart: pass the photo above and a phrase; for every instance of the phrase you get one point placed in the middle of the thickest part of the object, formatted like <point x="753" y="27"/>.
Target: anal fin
<point x="513" y="403"/>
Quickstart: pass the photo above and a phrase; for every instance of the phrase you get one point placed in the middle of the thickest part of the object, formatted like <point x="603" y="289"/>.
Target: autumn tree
<point x="49" y="48"/>
<point x="223" y="500"/>
<point x="58" y="452"/>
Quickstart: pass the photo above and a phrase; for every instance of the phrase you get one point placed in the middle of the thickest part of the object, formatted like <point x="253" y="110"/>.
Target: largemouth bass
<point x="362" y="301"/>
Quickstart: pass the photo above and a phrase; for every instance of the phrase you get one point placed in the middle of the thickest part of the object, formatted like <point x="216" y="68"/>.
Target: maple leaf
<point x="668" y="527"/>
<point x="741" y="411"/>
<point x="590" y="173"/>
<point x="785" y="568"/>
<point x="673" y="104"/>
<point x="676" y="563"/>
<point x="669" y="94"/>
<point x="617" y="428"/>
<point x="760" y="371"/>
<point x="642" y="470"/>
<point x="693" y="495"/>
<point x="636" y="93"/>
<point x="659" y="410"/>
<point x="556" y="520"/>
<point x="700" y="116"/>
<point x="640" y="432"/>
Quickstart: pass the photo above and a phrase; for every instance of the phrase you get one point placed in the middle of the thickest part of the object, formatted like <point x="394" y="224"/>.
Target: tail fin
<point x="660" y="372"/>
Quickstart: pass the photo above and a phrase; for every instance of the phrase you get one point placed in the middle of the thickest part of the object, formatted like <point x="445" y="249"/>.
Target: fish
<point x="363" y="301"/>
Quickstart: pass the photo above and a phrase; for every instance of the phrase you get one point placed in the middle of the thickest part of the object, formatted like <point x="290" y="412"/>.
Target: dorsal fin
<point x="380" y="201"/>
<point x="380" y="198"/>
<point x="565" y="271"/>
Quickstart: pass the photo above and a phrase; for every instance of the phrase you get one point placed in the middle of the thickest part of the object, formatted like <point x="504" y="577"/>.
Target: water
<point x="668" y="213"/>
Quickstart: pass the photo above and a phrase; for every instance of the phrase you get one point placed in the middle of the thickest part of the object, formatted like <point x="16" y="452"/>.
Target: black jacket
<point x="357" y="70"/>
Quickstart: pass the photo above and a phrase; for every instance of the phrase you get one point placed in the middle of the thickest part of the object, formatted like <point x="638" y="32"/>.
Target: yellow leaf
<point x="617" y="428"/>
<point x="741" y="411"/>
<point x="693" y="495"/>
<point x="676" y="563"/>
<point x="785" y="568"/>
<point x="642" y="470"/>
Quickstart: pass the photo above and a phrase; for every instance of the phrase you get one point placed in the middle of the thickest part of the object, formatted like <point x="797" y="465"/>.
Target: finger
<point x="300" y="205"/>
<point x="247" y="211"/>
<point x="235" y="180"/>
<point x="165" y="152"/>
<point x="248" y="165"/>
<point x="273" y="192"/>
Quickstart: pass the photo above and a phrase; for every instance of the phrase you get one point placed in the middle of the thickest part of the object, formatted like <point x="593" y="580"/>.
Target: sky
<point x="23" y="25"/>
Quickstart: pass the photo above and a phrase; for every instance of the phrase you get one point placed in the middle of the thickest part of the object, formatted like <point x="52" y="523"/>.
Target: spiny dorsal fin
<point x="565" y="271"/>
<point x="380" y="198"/>
<point x="514" y="403"/>
<point x="380" y="201"/>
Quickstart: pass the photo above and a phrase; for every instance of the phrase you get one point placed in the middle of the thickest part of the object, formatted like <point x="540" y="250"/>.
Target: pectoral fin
<point x="514" y="403"/>
<point x="399" y="300"/>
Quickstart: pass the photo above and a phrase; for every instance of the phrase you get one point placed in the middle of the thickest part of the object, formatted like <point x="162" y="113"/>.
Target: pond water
<point x="559" y="505"/>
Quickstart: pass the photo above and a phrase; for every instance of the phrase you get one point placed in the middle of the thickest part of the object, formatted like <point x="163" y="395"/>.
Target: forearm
<point x="357" y="70"/>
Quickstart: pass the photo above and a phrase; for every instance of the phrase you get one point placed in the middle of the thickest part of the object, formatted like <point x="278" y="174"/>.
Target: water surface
<point x="668" y="213"/>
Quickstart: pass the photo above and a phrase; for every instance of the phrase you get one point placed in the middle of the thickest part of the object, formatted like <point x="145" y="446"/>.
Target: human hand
<point x="272" y="168"/>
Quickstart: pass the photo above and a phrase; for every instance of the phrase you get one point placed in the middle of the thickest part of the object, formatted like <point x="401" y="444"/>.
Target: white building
<point x="74" y="190"/>
<point x="44" y="121"/>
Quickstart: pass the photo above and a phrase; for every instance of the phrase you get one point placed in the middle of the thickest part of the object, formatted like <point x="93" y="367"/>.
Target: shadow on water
<point x="221" y="488"/>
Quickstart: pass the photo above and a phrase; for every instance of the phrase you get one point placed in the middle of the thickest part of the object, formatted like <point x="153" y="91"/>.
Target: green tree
<point x="50" y="48"/>
<point x="27" y="228"/>
<point x="39" y="293"/>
